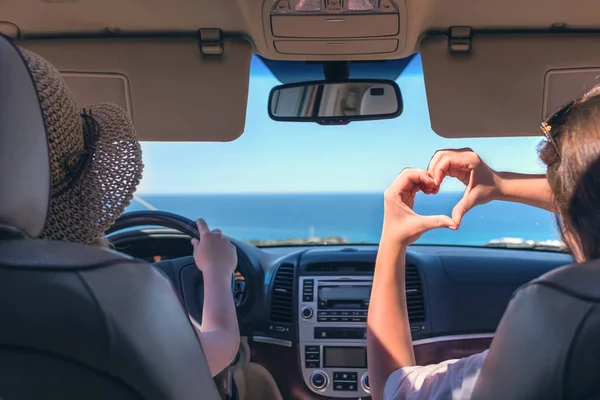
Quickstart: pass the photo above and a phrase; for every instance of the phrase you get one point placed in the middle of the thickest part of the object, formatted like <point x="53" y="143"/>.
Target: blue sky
<point x="278" y="157"/>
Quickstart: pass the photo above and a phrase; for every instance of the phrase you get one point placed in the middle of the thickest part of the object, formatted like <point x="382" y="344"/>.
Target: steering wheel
<point x="166" y="220"/>
<point x="186" y="226"/>
<point x="155" y="218"/>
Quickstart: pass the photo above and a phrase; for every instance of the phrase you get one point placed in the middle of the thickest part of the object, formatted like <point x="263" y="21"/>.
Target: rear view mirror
<point x="336" y="103"/>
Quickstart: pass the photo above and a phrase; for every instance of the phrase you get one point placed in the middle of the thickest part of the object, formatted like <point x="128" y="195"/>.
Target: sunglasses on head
<point x="553" y="122"/>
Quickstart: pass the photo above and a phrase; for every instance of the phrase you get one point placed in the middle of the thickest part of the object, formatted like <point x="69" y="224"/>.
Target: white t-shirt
<point x="452" y="379"/>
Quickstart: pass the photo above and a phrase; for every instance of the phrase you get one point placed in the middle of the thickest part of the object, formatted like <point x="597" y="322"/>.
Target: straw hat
<point x="95" y="157"/>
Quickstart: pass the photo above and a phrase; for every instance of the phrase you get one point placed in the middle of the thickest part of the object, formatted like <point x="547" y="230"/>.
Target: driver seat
<point x="77" y="321"/>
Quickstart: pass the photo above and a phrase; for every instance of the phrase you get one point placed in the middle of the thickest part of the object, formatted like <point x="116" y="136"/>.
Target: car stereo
<point x="332" y="334"/>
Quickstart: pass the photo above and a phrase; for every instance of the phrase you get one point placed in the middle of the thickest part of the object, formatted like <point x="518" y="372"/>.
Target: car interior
<point x="182" y="70"/>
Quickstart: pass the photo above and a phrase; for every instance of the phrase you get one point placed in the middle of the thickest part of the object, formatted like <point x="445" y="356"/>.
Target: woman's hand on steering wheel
<point x="213" y="253"/>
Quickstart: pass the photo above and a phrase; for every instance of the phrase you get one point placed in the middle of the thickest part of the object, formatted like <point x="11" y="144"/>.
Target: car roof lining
<point x="250" y="18"/>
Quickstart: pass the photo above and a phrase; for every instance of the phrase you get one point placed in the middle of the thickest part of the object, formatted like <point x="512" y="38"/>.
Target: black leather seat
<point x="547" y="345"/>
<point x="76" y="321"/>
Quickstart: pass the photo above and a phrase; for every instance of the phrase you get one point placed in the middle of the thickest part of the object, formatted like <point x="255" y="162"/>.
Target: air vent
<point x="282" y="297"/>
<point x="414" y="295"/>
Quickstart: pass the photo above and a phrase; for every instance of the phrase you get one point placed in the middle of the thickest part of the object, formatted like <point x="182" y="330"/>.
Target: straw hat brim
<point x="105" y="188"/>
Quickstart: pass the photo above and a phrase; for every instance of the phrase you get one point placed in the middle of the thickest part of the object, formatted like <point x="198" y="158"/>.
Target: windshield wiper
<point x="518" y="243"/>
<point x="144" y="203"/>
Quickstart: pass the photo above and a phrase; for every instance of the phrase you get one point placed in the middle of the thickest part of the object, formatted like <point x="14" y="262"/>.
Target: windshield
<point x="284" y="182"/>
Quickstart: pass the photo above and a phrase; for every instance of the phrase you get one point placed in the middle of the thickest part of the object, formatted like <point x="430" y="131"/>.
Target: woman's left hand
<point x="213" y="253"/>
<point x="400" y="223"/>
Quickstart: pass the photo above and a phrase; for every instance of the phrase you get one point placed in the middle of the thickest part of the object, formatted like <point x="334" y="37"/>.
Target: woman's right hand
<point x="482" y="182"/>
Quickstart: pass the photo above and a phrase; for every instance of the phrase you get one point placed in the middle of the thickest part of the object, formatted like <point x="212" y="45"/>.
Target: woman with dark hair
<point x="570" y="188"/>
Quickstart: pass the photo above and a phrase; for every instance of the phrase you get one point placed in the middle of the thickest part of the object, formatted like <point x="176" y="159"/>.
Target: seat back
<point x="546" y="346"/>
<point x="81" y="322"/>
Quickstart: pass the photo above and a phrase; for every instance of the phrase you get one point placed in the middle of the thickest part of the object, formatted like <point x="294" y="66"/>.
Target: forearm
<point x="532" y="190"/>
<point x="389" y="341"/>
<point x="219" y="332"/>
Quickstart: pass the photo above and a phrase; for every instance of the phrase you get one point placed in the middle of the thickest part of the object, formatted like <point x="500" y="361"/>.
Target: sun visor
<point x="506" y="84"/>
<point x="172" y="91"/>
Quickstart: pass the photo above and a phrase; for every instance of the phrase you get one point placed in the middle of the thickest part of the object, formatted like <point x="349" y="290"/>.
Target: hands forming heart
<point x="404" y="225"/>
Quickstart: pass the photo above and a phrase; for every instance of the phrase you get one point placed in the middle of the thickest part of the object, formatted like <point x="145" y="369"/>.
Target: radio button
<point x="345" y="386"/>
<point x="322" y="319"/>
<point x="318" y="380"/>
<point x="323" y="333"/>
<point x="345" y="376"/>
<point x="307" y="313"/>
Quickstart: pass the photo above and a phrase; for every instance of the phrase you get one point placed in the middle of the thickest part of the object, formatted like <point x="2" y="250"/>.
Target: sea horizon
<point x="357" y="217"/>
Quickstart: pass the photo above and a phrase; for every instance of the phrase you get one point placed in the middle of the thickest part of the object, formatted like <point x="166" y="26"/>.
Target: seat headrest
<point x="24" y="157"/>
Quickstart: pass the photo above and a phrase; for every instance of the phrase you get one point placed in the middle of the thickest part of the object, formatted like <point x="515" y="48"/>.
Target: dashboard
<point x="304" y="309"/>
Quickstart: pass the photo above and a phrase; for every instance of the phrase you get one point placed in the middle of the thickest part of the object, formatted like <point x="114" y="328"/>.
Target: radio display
<point x="344" y="357"/>
<point x="344" y="292"/>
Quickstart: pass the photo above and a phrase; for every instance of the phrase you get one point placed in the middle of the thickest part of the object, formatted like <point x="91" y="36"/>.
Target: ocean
<point x="355" y="217"/>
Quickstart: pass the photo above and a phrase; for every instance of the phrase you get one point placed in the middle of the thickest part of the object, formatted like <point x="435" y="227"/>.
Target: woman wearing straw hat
<point x="96" y="164"/>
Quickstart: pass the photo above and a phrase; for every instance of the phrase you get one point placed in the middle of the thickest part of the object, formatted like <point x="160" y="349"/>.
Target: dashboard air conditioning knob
<point x="364" y="382"/>
<point x="319" y="380"/>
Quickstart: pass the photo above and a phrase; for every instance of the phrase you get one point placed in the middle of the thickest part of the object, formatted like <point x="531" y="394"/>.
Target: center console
<point x="332" y="334"/>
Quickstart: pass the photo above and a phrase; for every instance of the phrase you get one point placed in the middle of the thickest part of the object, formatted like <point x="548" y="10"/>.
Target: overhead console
<point x="334" y="29"/>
